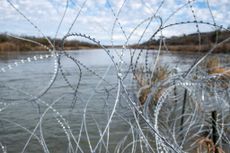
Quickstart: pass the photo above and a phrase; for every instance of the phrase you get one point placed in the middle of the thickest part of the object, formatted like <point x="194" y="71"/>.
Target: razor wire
<point x="160" y="107"/>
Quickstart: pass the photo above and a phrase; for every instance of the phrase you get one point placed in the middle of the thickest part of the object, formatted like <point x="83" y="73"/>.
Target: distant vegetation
<point x="191" y="42"/>
<point x="185" y="43"/>
<point x="8" y="43"/>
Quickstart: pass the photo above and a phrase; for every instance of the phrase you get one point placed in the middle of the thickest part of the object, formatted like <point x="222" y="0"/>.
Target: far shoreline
<point x="176" y="44"/>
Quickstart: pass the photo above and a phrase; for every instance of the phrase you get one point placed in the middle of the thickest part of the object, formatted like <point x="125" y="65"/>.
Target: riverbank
<point x="11" y="44"/>
<point x="194" y="42"/>
<point x="224" y="48"/>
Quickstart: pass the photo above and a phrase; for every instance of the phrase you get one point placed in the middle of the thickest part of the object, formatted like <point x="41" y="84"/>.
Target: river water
<point x="25" y="80"/>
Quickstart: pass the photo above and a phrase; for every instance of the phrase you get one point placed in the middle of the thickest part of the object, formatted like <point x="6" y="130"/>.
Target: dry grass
<point x="206" y="145"/>
<point x="7" y="46"/>
<point x="212" y="63"/>
<point x="161" y="73"/>
<point x="213" y="67"/>
<point x="143" y="93"/>
<point x="140" y="77"/>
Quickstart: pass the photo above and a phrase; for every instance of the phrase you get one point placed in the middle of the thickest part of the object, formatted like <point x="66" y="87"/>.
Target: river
<point x="27" y="75"/>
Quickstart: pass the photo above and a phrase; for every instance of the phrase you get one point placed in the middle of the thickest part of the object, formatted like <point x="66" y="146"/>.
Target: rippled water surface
<point x="20" y="112"/>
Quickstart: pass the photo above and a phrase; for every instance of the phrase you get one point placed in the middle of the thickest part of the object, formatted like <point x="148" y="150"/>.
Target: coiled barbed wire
<point x="174" y="111"/>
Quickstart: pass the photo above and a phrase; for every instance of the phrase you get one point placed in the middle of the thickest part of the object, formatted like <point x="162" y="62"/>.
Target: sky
<point x="110" y="21"/>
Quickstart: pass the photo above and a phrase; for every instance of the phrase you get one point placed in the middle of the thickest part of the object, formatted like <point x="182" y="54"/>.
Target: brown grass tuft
<point x="161" y="73"/>
<point x="207" y="145"/>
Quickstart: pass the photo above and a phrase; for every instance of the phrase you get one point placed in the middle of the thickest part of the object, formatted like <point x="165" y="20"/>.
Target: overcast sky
<point x="97" y="17"/>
